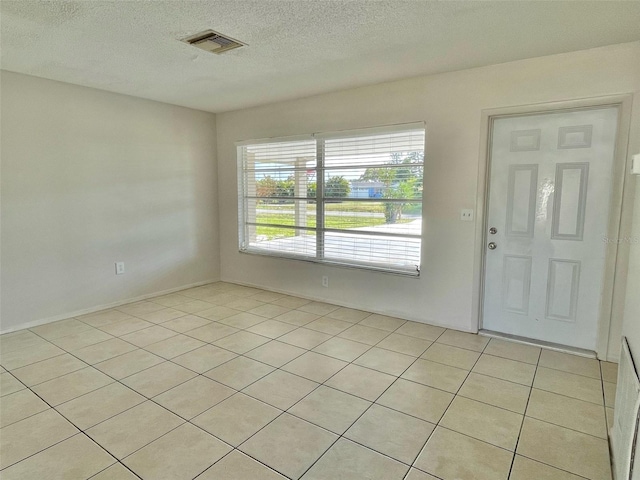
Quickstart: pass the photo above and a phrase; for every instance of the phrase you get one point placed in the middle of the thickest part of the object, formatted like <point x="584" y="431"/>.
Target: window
<point x="347" y="198"/>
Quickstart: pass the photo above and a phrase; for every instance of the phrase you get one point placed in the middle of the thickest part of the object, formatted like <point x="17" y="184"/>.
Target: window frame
<point x="320" y="201"/>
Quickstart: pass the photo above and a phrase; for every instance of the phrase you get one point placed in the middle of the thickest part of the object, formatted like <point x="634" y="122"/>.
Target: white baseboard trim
<point x="347" y="305"/>
<point x="55" y="318"/>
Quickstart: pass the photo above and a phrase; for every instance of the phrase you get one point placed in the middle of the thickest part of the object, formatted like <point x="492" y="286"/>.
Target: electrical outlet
<point x="119" y="268"/>
<point x="466" y="215"/>
<point x="325" y="281"/>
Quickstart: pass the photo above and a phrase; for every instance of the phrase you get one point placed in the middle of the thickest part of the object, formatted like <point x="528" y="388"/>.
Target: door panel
<point x="548" y="200"/>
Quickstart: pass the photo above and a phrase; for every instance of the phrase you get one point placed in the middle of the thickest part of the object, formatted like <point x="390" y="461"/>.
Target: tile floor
<point x="229" y="382"/>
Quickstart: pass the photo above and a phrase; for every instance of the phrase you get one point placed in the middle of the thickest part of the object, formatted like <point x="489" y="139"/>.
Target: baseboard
<point x="44" y="321"/>
<point x="347" y="305"/>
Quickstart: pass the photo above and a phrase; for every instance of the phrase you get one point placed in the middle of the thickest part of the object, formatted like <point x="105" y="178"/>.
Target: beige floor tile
<point x="77" y="341"/>
<point x="157" y="379"/>
<point x="242" y="320"/>
<point x="275" y="353"/>
<point x="484" y="422"/>
<point x="122" y="327"/>
<point x="204" y="358"/>
<point x="182" y="453"/>
<point x="194" y="306"/>
<point x="452" y="356"/>
<point x="289" y="445"/>
<point x="71" y="385"/>
<point x="470" y="341"/>
<point x="327" y="325"/>
<point x="245" y="304"/>
<point x="382" y="322"/>
<point x="272" y="328"/>
<point x="436" y="375"/>
<point x="13" y="359"/>
<point x="418" y="400"/>
<point x="404" y="344"/>
<point x="348" y="460"/>
<point x="297" y="317"/>
<point x="9" y="384"/>
<point x="239" y="372"/>
<point x="104" y="351"/>
<point x="186" y="323"/>
<point x="415" y="474"/>
<point x="127" y="432"/>
<point x="220" y="298"/>
<point x="280" y="389"/>
<point x="527" y="469"/>
<point x="99" y="405"/>
<point x="491" y="390"/>
<point x="361" y="382"/>
<point x="342" y="349"/>
<point x="305" y="338"/>
<point x="609" y="394"/>
<point x="115" y="472"/>
<point x="609" y="415"/>
<point x="20" y="340"/>
<point x="451" y="455"/>
<point x="319" y="308"/>
<point x="330" y="409"/>
<point x="77" y="457"/>
<point x="211" y="333"/>
<point x="565" y="449"/>
<point x="291" y="302"/>
<point x="513" y="351"/>
<point x="194" y="397"/>
<point x="585" y="417"/>
<point x="171" y="300"/>
<point x="267" y="296"/>
<point x="268" y="310"/>
<point x="237" y="418"/>
<point x="609" y="371"/>
<point x="385" y="361"/>
<point x="238" y="466"/>
<point x="31" y="435"/>
<point x="241" y="342"/>
<point x="392" y="433"/>
<point x="128" y="364"/>
<point x="218" y="312"/>
<point x="348" y="314"/>
<point x="362" y="334"/>
<point x="104" y="317"/>
<point x="140" y="308"/>
<point x="314" y="366"/>
<point x="174" y="346"/>
<point x="420" y="330"/>
<point x="20" y="405"/>
<point x="505" y="369"/>
<point x="147" y="336"/>
<point x="589" y="367"/>
<point x="576" y="386"/>
<point x="61" y="328"/>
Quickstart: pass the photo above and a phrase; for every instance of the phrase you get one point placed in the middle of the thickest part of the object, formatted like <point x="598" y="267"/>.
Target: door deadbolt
<point x="493" y="230"/>
<point x="492" y="245"/>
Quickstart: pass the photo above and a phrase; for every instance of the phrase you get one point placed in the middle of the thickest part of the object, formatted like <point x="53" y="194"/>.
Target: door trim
<point x="614" y="280"/>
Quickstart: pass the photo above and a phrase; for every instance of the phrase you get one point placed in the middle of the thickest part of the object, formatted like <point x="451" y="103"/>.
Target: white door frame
<point x="615" y="267"/>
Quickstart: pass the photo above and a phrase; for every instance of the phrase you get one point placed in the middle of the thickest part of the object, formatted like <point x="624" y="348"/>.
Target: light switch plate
<point x="119" y="268"/>
<point x="466" y="215"/>
<point x="635" y="164"/>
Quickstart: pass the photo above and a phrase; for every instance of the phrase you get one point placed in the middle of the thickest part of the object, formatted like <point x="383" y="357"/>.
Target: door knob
<point x="492" y="245"/>
<point x="493" y="230"/>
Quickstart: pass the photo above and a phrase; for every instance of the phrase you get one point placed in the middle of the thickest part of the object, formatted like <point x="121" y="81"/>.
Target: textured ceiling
<point x="295" y="48"/>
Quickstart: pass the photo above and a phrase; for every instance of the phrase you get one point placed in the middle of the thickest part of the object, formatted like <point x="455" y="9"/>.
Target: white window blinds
<point x="349" y="198"/>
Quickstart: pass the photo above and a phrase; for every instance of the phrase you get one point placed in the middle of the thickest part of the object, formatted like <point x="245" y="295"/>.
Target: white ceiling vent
<point x="213" y="42"/>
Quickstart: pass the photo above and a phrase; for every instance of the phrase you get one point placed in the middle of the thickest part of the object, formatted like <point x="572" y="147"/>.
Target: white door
<point x="548" y="211"/>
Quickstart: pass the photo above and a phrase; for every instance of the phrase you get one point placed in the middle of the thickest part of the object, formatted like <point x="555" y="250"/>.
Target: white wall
<point x="451" y="106"/>
<point x="89" y="178"/>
